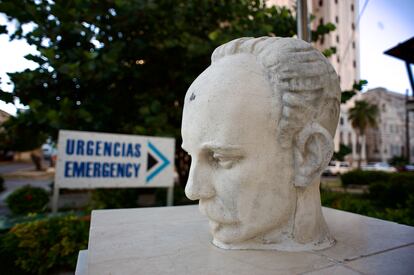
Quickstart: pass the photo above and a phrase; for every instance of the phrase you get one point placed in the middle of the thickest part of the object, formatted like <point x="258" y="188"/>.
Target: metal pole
<point x="55" y="198"/>
<point x="408" y="110"/>
<point x="410" y="76"/>
<point x="407" y="128"/>
<point x="303" y="20"/>
<point x="170" y="196"/>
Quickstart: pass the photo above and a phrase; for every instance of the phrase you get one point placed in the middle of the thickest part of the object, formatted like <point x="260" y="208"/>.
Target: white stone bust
<point x="258" y="124"/>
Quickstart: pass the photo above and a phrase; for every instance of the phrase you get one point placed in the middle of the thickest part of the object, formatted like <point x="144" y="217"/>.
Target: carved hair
<point x="300" y="76"/>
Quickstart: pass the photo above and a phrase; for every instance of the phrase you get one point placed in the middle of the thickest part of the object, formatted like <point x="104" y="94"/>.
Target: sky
<point x="12" y="60"/>
<point x="383" y="24"/>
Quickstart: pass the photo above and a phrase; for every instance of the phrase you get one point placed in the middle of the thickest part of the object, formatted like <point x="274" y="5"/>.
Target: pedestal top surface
<point x="176" y="240"/>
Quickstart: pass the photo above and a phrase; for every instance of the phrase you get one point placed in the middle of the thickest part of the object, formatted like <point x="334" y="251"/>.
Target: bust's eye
<point x="223" y="161"/>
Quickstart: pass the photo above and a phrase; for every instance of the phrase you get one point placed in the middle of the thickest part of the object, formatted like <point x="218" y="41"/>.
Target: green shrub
<point x="1" y="184"/>
<point x="42" y="246"/>
<point x="373" y="207"/>
<point x="394" y="193"/>
<point x="28" y="199"/>
<point x="406" y="178"/>
<point x="114" y="198"/>
<point x="348" y="202"/>
<point x="359" y="177"/>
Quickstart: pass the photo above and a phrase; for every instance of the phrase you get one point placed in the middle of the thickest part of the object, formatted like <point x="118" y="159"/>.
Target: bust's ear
<point x="312" y="151"/>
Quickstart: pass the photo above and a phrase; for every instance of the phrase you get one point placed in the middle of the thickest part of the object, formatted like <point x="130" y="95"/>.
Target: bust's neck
<point x="309" y="223"/>
<point x="306" y="230"/>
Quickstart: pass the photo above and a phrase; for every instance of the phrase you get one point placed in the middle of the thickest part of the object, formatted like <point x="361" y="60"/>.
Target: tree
<point x="362" y="116"/>
<point x="124" y="66"/>
<point x="342" y="153"/>
<point x="357" y="87"/>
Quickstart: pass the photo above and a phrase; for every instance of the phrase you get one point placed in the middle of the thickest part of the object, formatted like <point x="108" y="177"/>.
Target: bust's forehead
<point x="229" y="100"/>
<point x="227" y="76"/>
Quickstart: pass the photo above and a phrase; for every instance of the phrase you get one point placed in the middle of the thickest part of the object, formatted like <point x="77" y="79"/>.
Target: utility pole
<point x="302" y="18"/>
<point x="407" y="128"/>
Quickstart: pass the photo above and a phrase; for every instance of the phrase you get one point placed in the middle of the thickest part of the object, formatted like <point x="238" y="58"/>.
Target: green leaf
<point x="214" y="35"/>
<point x="7" y="97"/>
<point x="3" y="29"/>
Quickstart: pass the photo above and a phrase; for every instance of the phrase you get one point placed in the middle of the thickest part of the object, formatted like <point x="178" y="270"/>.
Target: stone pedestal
<point x="175" y="240"/>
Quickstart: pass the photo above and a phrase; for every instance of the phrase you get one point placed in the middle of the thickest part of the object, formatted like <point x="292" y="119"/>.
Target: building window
<point x="320" y="3"/>
<point x="336" y="1"/>
<point x="354" y="64"/>
<point x="376" y="151"/>
<point x="352" y="6"/>
<point x="336" y="19"/>
<point x="321" y="21"/>
<point x="341" y="138"/>
<point x="337" y="59"/>
<point x="342" y="121"/>
<point x="339" y="78"/>
<point x="353" y="26"/>
<point x="353" y="44"/>
<point x="337" y="39"/>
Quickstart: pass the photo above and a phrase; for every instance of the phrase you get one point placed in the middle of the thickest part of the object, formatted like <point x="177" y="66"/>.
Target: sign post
<point x="88" y="160"/>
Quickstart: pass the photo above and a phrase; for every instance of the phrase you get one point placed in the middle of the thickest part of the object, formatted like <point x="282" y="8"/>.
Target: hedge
<point x="44" y="246"/>
<point x="359" y="177"/>
<point x="27" y="199"/>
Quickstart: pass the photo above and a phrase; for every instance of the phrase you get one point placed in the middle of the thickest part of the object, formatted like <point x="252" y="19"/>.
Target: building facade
<point x="346" y="135"/>
<point x="388" y="140"/>
<point x="344" y="15"/>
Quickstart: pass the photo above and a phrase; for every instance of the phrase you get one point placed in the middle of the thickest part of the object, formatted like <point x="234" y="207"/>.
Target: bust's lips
<point x="215" y="210"/>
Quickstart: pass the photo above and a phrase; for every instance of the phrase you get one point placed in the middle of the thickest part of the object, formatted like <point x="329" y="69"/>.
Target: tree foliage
<point x="344" y="150"/>
<point x="362" y="116"/>
<point x="357" y="87"/>
<point x="124" y="66"/>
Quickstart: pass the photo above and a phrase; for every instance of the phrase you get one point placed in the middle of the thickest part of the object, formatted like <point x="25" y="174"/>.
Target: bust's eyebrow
<point x="219" y="148"/>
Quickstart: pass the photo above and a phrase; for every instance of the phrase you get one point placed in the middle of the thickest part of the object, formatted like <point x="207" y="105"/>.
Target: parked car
<point x="409" y="167"/>
<point x="337" y="168"/>
<point x="6" y="155"/>
<point x="378" y="166"/>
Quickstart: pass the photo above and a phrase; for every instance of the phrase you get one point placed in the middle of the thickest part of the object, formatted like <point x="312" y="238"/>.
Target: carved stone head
<point x="258" y="124"/>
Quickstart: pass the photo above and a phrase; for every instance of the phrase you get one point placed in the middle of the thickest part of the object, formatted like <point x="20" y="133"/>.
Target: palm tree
<point x="362" y="116"/>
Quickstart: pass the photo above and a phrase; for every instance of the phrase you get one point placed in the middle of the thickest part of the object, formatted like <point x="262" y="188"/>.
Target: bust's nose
<point x="199" y="184"/>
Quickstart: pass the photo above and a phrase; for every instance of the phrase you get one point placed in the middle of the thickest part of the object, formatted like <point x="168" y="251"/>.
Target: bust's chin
<point x="297" y="233"/>
<point x="285" y="244"/>
<point x="281" y="239"/>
